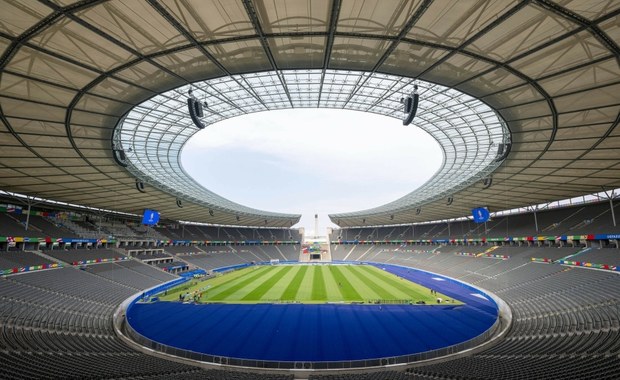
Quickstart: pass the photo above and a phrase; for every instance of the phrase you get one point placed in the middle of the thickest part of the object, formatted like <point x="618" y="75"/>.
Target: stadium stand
<point x="381" y="375"/>
<point x="122" y="275"/>
<point x="153" y="255"/>
<point x="169" y="232"/>
<point x="572" y="220"/>
<point x="175" y="266"/>
<point x="45" y="227"/>
<point x="83" y="254"/>
<point x="265" y="253"/>
<point x="599" y="255"/>
<point x="10" y="226"/>
<point x="191" y="232"/>
<point x="118" y="230"/>
<point x="183" y="249"/>
<point x="217" y="258"/>
<point x="205" y="261"/>
<point x="147" y="232"/>
<point x="83" y="229"/>
<point x="146" y="270"/>
<point x="213" y="233"/>
<point x="288" y="252"/>
<point x="12" y="259"/>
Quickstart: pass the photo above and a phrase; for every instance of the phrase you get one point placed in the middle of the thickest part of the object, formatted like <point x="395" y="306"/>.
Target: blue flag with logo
<point x="480" y="214"/>
<point x="150" y="217"/>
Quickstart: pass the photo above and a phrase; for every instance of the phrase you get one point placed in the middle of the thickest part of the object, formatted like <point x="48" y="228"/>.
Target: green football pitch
<point x="306" y="284"/>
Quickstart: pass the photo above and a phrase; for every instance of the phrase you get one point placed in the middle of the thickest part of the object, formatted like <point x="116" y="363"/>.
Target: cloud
<point x="311" y="160"/>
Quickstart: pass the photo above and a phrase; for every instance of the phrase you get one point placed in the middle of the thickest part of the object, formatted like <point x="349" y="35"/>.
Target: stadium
<point x="115" y="263"/>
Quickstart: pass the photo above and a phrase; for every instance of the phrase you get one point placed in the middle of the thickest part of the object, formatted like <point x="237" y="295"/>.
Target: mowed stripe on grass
<point x="223" y="291"/>
<point x="369" y="290"/>
<point x="304" y="293"/>
<point x="331" y="285"/>
<point x="348" y="291"/>
<point x="277" y="290"/>
<point x="319" y="292"/>
<point x="263" y="287"/>
<point x="386" y="287"/>
<point x="290" y="292"/>
<point x="398" y="284"/>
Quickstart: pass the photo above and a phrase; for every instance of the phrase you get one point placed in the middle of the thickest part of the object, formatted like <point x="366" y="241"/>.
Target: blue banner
<point x="150" y="217"/>
<point x="70" y="240"/>
<point x="480" y="214"/>
<point x="607" y="236"/>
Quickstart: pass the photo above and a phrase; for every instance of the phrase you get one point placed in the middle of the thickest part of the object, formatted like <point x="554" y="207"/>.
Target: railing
<point x="327" y="365"/>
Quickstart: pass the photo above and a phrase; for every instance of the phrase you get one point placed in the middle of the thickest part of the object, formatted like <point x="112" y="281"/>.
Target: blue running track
<point x="326" y="332"/>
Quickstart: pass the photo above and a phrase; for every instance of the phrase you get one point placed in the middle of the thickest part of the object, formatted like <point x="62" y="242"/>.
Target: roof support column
<point x="533" y="209"/>
<point x="30" y="201"/>
<point x="28" y="214"/>
<point x="611" y="195"/>
<point x="611" y="206"/>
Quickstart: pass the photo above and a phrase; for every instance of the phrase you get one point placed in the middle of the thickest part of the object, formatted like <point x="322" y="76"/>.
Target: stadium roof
<point x="72" y="70"/>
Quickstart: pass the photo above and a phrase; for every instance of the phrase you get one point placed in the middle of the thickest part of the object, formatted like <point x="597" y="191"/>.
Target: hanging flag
<point x="480" y="214"/>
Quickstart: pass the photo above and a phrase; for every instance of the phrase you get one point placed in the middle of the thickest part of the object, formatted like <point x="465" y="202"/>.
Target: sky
<point x="311" y="161"/>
